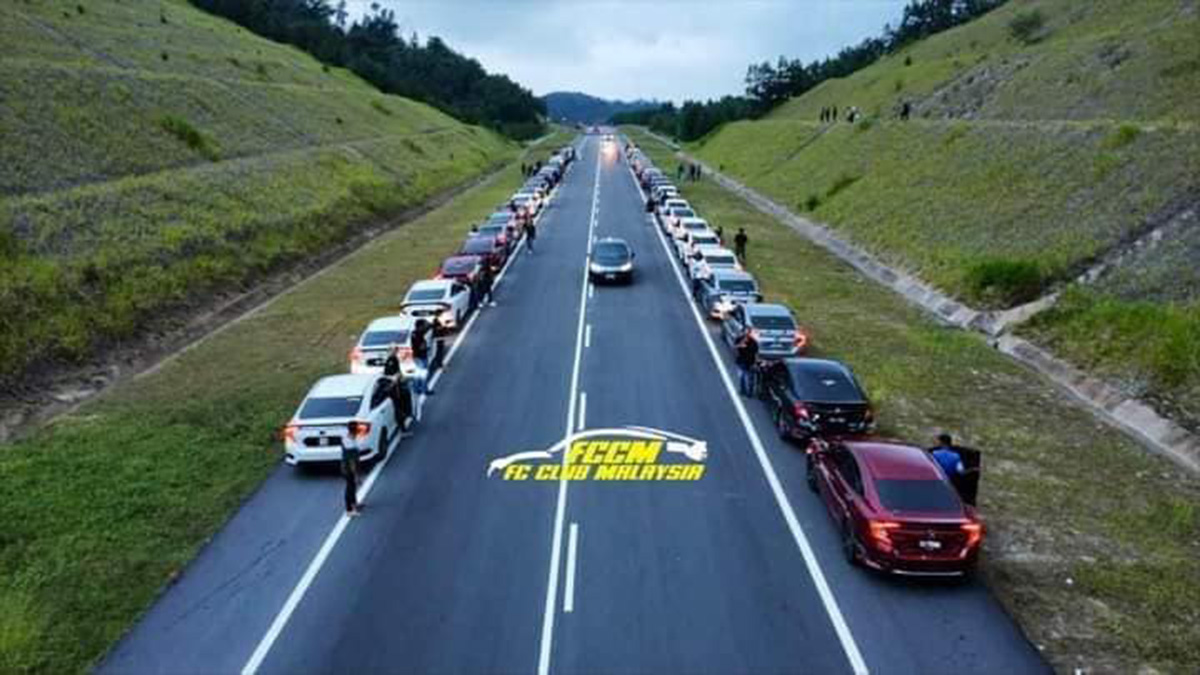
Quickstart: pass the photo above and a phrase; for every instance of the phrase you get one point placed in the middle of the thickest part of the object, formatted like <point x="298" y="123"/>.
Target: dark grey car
<point x="772" y="326"/>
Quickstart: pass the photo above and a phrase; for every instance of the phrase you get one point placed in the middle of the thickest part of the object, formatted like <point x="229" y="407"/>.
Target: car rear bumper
<point x="299" y="454"/>
<point x="914" y="567"/>
<point x="601" y="277"/>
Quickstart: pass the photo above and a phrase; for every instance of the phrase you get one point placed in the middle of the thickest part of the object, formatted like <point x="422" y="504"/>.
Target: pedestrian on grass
<point x="679" y="171"/>
<point x="350" y="472"/>
<point x="739" y="244"/>
<point x="747" y="363"/>
<point x="720" y="234"/>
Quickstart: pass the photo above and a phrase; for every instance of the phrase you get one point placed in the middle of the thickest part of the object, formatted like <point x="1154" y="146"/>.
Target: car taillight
<point x="360" y="431"/>
<point x="289" y="433"/>
<point x="356" y="355"/>
<point x="800" y="411"/>
<point x="974" y="532"/>
<point x="880" y="529"/>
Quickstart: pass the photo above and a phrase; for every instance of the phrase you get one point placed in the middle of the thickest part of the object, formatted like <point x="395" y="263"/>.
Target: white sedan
<point x="709" y="258"/>
<point x="388" y="334"/>
<point x="352" y="411"/>
<point x="445" y="302"/>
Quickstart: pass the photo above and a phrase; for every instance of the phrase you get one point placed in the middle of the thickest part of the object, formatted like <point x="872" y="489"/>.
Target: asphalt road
<point x="450" y="571"/>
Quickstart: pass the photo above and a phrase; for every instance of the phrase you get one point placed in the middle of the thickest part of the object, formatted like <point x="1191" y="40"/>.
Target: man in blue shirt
<point x="948" y="457"/>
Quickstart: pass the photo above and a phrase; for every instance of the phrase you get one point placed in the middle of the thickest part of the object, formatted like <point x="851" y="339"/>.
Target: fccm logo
<point x="617" y="454"/>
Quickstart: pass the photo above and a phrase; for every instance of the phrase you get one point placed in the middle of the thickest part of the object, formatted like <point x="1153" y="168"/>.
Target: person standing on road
<point x="486" y="284"/>
<point x="530" y="235"/>
<point x="401" y="392"/>
<point x="419" y="343"/>
<point x="739" y="244"/>
<point x="747" y="362"/>
<point x="350" y="473"/>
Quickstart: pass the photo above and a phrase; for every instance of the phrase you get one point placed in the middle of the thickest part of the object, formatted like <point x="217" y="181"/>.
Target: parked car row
<point x="896" y="508"/>
<point x="368" y="408"/>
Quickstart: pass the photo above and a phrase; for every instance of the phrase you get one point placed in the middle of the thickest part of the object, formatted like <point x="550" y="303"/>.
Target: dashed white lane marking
<point x="572" y="563"/>
<point x="582" y="411"/>
<point x="587" y="336"/>
<point x="547" y="640"/>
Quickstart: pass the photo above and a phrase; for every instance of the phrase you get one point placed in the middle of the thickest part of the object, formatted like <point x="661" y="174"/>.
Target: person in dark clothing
<point x="739" y="244"/>
<point x="350" y="473"/>
<point x="948" y="457"/>
<point x="486" y="283"/>
<point x="720" y="234"/>
<point x="524" y="169"/>
<point x="419" y="342"/>
<point x="747" y="363"/>
<point x="530" y="235"/>
<point x="905" y="110"/>
<point x="401" y="392"/>
<point x="679" y="171"/>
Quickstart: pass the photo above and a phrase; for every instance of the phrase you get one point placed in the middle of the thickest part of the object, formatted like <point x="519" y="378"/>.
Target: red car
<point x="488" y="248"/>
<point x="464" y="268"/>
<point x="895" y="507"/>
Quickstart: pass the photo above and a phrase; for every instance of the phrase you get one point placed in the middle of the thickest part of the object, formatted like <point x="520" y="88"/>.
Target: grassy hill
<point x="153" y="154"/>
<point x="1046" y="136"/>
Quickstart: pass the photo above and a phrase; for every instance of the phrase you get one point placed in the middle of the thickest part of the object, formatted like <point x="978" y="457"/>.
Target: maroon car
<point x="464" y="268"/>
<point x="488" y="248"/>
<point x="896" y="509"/>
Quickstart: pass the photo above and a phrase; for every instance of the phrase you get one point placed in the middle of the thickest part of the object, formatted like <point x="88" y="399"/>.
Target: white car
<point x="353" y="411"/>
<point x="689" y="225"/>
<point x="526" y="204"/>
<point x="382" y="337"/>
<point x="445" y="302"/>
<point x="664" y="192"/>
<point x="671" y="210"/>
<point x="708" y="258"/>
<point x="686" y="246"/>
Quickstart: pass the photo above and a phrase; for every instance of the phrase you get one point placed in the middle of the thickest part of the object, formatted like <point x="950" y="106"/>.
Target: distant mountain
<point x="573" y="106"/>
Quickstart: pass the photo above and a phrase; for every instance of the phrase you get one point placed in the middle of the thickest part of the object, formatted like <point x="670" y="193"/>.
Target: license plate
<point x="837" y="420"/>
<point x="324" y="441"/>
<point x="930" y="545"/>
<point x="610" y="276"/>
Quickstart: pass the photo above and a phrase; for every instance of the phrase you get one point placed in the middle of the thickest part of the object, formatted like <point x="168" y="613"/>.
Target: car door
<point x="460" y="300"/>
<point x="777" y="385"/>
<point x="733" y="325"/>
<point x="835" y="488"/>
<point x="382" y="415"/>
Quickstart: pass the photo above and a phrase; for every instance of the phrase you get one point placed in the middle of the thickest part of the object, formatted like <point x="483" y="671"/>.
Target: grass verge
<point x="1094" y="544"/>
<point x="105" y="506"/>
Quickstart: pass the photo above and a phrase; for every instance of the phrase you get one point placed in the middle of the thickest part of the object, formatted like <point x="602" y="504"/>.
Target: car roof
<point x="768" y="309"/>
<point x="430" y="284"/>
<point x="397" y="322"/>
<point x="341" y="385"/>
<point x="706" y="232"/>
<point x="893" y="460"/>
<point x="730" y="275"/>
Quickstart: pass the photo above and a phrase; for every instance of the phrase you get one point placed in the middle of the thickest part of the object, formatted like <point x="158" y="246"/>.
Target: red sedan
<point x="464" y="268"/>
<point x="488" y="248"/>
<point x="895" y="507"/>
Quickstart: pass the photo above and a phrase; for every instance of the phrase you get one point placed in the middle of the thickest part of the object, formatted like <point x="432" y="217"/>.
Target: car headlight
<point x="627" y="267"/>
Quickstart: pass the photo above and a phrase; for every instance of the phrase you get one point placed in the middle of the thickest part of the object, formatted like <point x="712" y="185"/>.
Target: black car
<point x="611" y="260"/>
<point x="815" y="397"/>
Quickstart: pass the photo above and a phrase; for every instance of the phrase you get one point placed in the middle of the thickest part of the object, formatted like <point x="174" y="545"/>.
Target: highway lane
<point x="447" y="569"/>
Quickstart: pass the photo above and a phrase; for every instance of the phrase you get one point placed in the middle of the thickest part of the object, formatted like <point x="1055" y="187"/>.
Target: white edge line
<point x="849" y="646"/>
<point x="314" y="567"/>
<point x="547" y="638"/>
<point x="572" y="548"/>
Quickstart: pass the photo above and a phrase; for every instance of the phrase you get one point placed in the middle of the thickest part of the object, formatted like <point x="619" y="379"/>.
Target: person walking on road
<point x="747" y="362"/>
<point x="486" y="284"/>
<point x="401" y="393"/>
<point x="350" y="473"/>
<point x="530" y="235"/>
<point x="739" y="244"/>
<point x="419" y="342"/>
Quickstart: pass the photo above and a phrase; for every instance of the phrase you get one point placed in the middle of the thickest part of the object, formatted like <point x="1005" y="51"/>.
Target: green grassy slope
<point x="153" y="153"/>
<point x="1024" y="163"/>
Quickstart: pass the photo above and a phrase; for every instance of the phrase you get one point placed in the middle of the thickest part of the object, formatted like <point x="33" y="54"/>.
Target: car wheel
<point x="849" y="545"/>
<point x="385" y="444"/>
<point x="810" y="473"/>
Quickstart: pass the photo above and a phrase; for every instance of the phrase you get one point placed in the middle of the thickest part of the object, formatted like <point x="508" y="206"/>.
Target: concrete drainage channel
<point x="1130" y="415"/>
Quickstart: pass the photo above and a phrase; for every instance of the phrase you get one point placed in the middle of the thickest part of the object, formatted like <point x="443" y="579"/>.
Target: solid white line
<point x="572" y="547"/>
<point x="547" y="639"/>
<point x="314" y="567"/>
<point x="849" y="646"/>
<point x="582" y="410"/>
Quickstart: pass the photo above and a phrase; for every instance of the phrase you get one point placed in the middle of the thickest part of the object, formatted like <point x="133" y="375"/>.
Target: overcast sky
<point x="627" y="49"/>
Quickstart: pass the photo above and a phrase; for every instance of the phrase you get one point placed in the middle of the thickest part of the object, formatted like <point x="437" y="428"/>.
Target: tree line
<point x="373" y="49"/>
<point x="769" y="85"/>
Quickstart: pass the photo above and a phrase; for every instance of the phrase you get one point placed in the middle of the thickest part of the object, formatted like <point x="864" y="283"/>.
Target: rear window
<point x="773" y="322"/>
<point x="345" y="406"/>
<point x="425" y="296"/>
<point x="493" y="228"/>
<point x="917" y="495"/>
<point x="611" y="253"/>
<point x="825" y="385"/>
<point x="683" y="212"/>
<point x="478" y="246"/>
<point x="382" y="338"/>
<point x="459" y="266"/>
<point x="499" y="219"/>
<point x="695" y="225"/>
<point x="738" y="285"/>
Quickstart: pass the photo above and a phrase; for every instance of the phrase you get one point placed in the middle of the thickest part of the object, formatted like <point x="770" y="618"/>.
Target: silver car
<point x="772" y="326"/>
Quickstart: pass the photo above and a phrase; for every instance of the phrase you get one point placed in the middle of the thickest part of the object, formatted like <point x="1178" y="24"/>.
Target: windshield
<point x="695" y="225"/>
<point x="773" y="322"/>
<point x="737" y="286"/>
<point x="382" y="338"/>
<point x="917" y="495"/>
<point x="425" y="295"/>
<point x="611" y="253"/>
<point x="719" y="260"/>
<point x="342" y="406"/>
<point x="680" y="212"/>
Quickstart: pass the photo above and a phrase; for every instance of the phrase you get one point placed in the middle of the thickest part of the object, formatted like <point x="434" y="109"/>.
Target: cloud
<point x="627" y="49"/>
